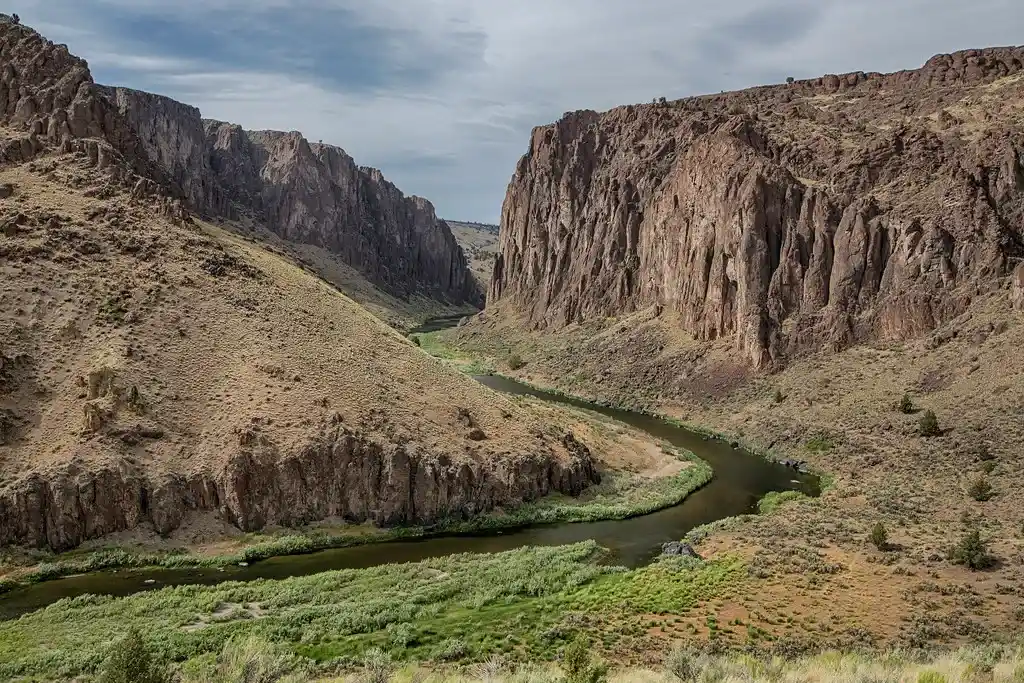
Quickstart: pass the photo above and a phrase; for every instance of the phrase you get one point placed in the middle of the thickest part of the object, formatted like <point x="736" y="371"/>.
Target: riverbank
<point x="618" y="500"/>
<point x="464" y="608"/>
<point x="845" y="413"/>
<point x="623" y="494"/>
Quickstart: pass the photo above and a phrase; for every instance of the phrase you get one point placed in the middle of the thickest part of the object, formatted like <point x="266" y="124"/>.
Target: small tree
<point x="980" y="489"/>
<point x="880" y="536"/>
<point x="906" y="405"/>
<point x="779" y="397"/>
<point x="579" y="667"/>
<point x="790" y="80"/>
<point x="514" y="361"/>
<point x="972" y="552"/>
<point x="131" y="661"/>
<point x="929" y="424"/>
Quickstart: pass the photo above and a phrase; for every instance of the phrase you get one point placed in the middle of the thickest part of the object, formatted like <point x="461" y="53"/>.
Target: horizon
<point x="442" y="97"/>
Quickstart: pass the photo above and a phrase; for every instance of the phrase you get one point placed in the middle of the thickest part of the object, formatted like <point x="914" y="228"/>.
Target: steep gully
<point x="741" y="478"/>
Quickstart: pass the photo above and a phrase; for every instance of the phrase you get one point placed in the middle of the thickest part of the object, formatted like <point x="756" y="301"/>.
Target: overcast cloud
<point x="442" y="94"/>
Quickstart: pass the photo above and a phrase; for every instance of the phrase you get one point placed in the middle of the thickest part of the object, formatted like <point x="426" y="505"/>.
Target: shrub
<point x="988" y="466"/>
<point x="515" y="362"/>
<point x="972" y="552"/>
<point x="451" y="650"/>
<point x="682" y="664"/>
<point x="985" y="453"/>
<point x="880" y="536"/>
<point x="930" y="677"/>
<point x="906" y="405"/>
<point x="929" y="424"/>
<point x="779" y="397"/>
<point x="131" y="661"/>
<point x="579" y="667"/>
<point x="401" y="635"/>
<point x="415" y="339"/>
<point x="377" y="666"/>
<point x="980" y="489"/>
<point x="790" y="79"/>
<point x="253" y="660"/>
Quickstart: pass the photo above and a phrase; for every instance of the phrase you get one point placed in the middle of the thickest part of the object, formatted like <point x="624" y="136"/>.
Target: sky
<point x="441" y="95"/>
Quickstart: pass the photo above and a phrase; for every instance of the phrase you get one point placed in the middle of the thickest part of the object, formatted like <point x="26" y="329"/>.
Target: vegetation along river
<point x="740" y="480"/>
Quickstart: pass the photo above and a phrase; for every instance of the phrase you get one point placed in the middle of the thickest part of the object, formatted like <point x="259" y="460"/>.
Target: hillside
<point x="307" y="193"/>
<point x="154" y="368"/>
<point x="158" y="368"/>
<point x="479" y="241"/>
<point x="855" y="208"/>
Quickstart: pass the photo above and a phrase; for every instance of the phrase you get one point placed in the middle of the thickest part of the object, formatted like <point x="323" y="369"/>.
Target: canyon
<point x="308" y="193"/>
<point x="162" y="361"/>
<point x="818" y="214"/>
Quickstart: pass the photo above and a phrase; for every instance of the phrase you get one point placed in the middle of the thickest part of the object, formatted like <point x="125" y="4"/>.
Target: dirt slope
<point x="155" y="366"/>
<point x="479" y="241"/>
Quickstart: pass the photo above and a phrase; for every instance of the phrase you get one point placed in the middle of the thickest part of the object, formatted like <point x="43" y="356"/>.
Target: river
<point x="740" y="480"/>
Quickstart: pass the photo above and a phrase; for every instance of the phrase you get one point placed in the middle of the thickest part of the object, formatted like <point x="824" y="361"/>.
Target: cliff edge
<point x="849" y="208"/>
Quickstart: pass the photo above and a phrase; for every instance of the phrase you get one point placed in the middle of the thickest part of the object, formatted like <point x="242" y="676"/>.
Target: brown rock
<point x="337" y="474"/>
<point x="785" y="218"/>
<point x="309" y="193"/>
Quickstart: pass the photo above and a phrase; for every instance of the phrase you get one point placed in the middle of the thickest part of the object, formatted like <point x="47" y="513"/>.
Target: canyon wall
<point x="311" y="193"/>
<point x="338" y="474"/>
<point x="823" y="212"/>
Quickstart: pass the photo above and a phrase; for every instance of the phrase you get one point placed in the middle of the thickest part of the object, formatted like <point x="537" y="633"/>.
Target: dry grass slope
<point x="154" y="350"/>
<point x="480" y="243"/>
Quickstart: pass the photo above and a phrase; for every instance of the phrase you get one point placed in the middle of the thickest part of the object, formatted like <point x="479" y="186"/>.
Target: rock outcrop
<point x="316" y="194"/>
<point x="823" y="212"/>
<point x="338" y="474"/>
<point x="310" y="193"/>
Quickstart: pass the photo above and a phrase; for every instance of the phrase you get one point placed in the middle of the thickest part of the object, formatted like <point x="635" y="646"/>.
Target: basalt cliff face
<point x="310" y="193"/>
<point x="822" y="212"/>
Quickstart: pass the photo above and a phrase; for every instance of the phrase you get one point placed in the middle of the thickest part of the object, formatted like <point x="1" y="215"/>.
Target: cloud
<point x="442" y="94"/>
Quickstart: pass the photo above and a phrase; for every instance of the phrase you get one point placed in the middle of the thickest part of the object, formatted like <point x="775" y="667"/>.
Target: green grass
<point x="431" y="343"/>
<point x="776" y="499"/>
<point x="820" y="443"/>
<point x="467" y="607"/>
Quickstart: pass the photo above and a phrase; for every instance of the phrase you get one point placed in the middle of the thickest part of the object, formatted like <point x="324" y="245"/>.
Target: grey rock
<point x="679" y="548"/>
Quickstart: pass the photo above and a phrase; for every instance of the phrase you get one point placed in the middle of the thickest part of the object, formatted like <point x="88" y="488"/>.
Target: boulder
<point x="679" y="548"/>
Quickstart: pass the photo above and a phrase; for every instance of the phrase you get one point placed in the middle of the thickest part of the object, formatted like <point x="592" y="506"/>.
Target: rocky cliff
<point x="846" y="208"/>
<point x="310" y="193"/>
<point x="338" y="474"/>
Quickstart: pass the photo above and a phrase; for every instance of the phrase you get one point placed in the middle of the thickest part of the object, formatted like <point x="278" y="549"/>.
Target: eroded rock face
<point x="48" y="95"/>
<point x="309" y="193"/>
<point x="173" y="136"/>
<point x="316" y="194"/>
<point x="339" y="473"/>
<point x="830" y="211"/>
